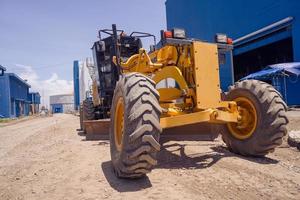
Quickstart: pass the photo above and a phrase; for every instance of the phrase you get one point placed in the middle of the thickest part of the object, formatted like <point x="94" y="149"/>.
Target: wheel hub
<point x="246" y="126"/>
<point x="119" y="124"/>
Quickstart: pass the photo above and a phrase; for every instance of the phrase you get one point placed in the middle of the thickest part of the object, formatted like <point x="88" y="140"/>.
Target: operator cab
<point x="117" y="44"/>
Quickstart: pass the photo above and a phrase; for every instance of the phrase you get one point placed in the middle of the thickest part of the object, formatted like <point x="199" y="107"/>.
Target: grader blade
<point x="97" y="129"/>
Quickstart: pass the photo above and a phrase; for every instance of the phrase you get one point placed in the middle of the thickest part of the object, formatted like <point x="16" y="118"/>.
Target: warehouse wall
<point x="4" y="96"/>
<point x="63" y="103"/>
<point x="18" y="89"/>
<point x="68" y="108"/>
<point x="62" y="99"/>
<point x="202" y="19"/>
<point x="237" y="18"/>
<point x="34" y="97"/>
<point x="56" y="108"/>
<point x="13" y="96"/>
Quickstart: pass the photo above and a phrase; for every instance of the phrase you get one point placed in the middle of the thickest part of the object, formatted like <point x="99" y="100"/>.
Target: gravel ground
<point x="46" y="158"/>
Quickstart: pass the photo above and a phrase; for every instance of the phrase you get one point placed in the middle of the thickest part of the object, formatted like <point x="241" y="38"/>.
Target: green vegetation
<point x="5" y="120"/>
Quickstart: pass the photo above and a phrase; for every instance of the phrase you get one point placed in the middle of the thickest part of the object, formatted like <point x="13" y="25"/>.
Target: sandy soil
<point x="45" y="158"/>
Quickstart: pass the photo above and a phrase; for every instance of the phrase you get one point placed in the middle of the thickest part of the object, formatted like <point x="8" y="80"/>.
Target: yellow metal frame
<point x="208" y="115"/>
<point x="197" y="95"/>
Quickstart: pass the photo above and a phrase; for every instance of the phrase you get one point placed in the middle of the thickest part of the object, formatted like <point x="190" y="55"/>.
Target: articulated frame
<point x="196" y="96"/>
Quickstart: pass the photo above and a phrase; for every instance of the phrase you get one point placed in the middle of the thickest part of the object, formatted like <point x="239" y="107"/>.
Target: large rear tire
<point x="87" y="113"/>
<point x="88" y="110"/>
<point x="135" y="128"/>
<point x="265" y="122"/>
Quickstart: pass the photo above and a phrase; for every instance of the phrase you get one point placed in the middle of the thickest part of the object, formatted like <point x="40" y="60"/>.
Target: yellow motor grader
<point x="252" y="114"/>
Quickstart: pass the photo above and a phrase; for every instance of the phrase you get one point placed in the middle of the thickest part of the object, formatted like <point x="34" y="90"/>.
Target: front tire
<point x="135" y="128"/>
<point x="266" y="127"/>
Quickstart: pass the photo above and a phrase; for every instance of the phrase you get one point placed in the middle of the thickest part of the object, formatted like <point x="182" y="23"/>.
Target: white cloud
<point x="46" y="88"/>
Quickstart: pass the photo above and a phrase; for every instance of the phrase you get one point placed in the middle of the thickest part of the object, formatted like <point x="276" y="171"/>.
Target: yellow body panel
<point x="168" y="94"/>
<point x="207" y="79"/>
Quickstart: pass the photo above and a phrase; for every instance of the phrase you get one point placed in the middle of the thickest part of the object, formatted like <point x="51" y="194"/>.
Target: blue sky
<point x="44" y="37"/>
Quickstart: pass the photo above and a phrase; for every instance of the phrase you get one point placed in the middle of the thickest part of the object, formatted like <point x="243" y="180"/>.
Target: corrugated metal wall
<point x="4" y="96"/>
<point x="203" y="19"/>
<point x="34" y="97"/>
<point x="18" y="90"/>
<point x="13" y="96"/>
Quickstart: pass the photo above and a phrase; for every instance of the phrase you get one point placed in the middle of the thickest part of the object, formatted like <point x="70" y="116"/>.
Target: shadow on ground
<point x="123" y="185"/>
<point x="169" y="159"/>
<point x="92" y="137"/>
<point x="177" y="159"/>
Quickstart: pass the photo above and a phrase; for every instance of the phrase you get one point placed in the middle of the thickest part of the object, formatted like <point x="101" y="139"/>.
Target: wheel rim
<point x="119" y="124"/>
<point x="248" y="122"/>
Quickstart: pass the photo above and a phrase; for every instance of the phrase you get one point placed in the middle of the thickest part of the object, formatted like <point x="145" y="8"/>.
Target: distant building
<point x="35" y="101"/>
<point x="14" y="93"/>
<point x="2" y="70"/>
<point x="63" y="103"/>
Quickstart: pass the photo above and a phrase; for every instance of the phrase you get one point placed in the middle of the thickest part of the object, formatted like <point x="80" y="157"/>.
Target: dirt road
<point x="45" y="158"/>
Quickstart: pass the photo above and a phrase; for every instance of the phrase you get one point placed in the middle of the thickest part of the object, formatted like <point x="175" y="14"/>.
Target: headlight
<point x="222" y="38"/>
<point x="178" y="33"/>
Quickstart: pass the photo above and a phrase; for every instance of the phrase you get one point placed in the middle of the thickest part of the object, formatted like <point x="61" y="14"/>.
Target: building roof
<point x="17" y="77"/>
<point x="36" y="93"/>
<point x="2" y="68"/>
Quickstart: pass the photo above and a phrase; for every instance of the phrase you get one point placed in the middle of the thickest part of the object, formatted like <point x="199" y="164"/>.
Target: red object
<point x="229" y="41"/>
<point x="168" y="34"/>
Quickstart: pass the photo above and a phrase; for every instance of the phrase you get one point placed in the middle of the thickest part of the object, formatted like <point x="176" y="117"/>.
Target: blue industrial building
<point x="13" y="96"/>
<point x="2" y="70"/>
<point x="35" y="100"/>
<point x="34" y="97"/>
<point x="264" y="32"/>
